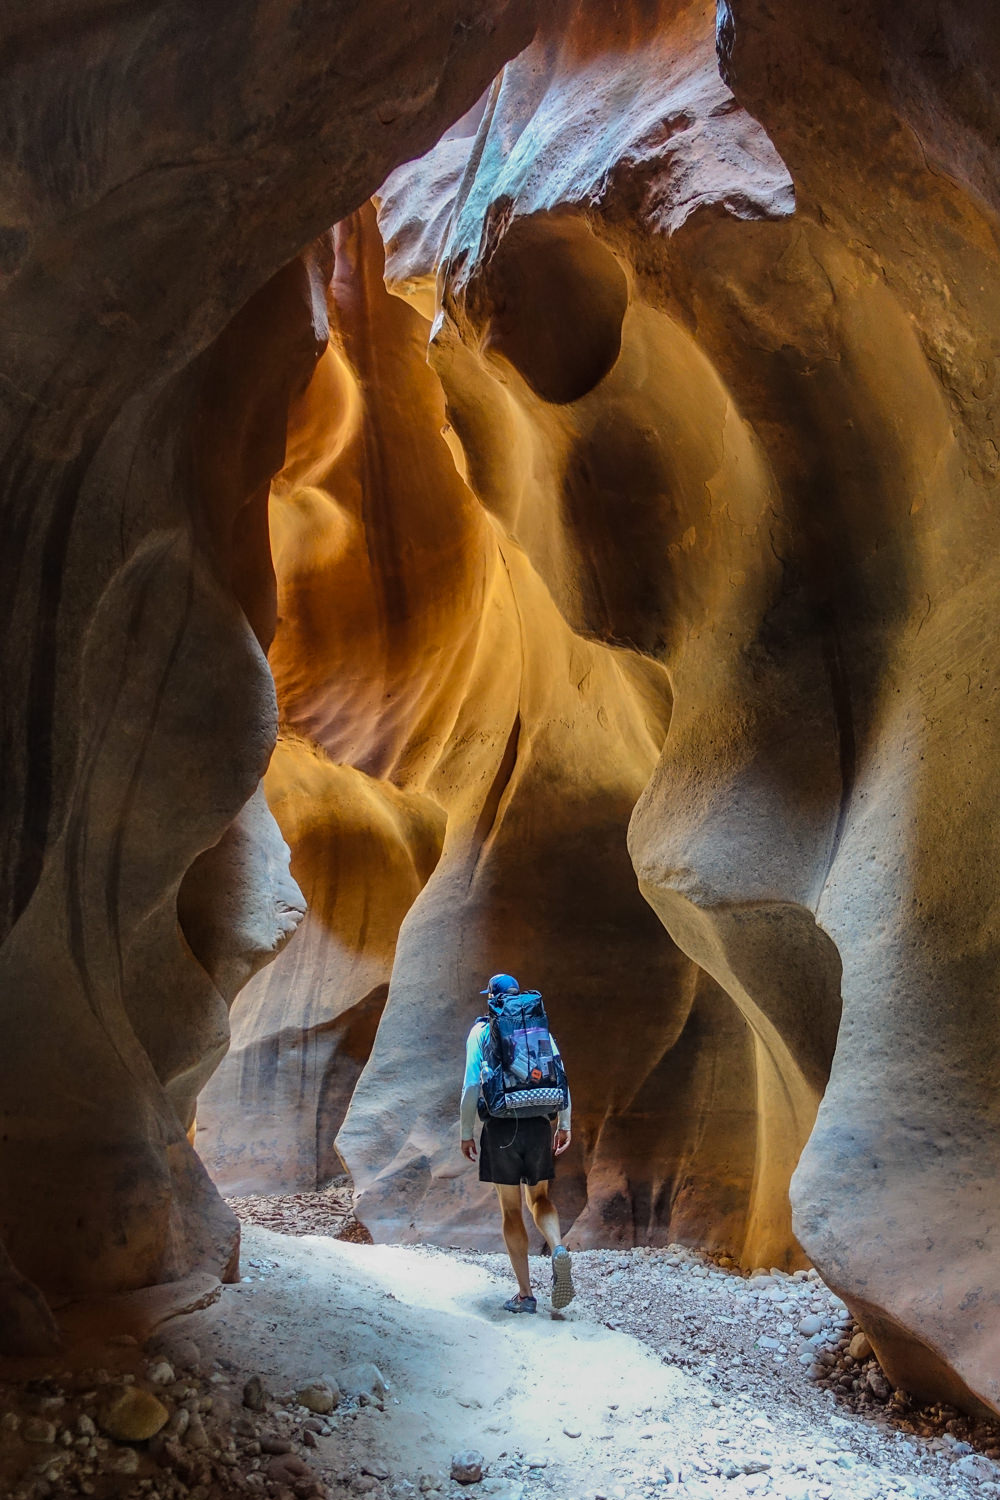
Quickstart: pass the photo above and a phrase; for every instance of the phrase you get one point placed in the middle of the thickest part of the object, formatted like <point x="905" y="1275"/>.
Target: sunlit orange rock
<point x="641" y="643"/>
<point x="161" y="168"/>
<point x="303" y="1029"/>
<point x="599" y="431"/>
<point x="755" y="437"/>
<point x="422" y="655"/>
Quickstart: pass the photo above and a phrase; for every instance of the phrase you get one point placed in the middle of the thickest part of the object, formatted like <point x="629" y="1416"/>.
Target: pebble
<point x="364" y="1381"/>
<point x="273" y="1442"/>
<point x="732" y="1468"/>
<point x="976" y="1467"/>
<point x="196" y="1437"/>
<point x="254" y="1394"/>
<point x="132" y="1415"/>
<point x="467" y="1468"/>
<point x="180" y="1351"/>
<point x="859" y="1348"/>
<point x="36" y="1430"/>
<point x="318" y="1397"/>
<point x="178" y="1424"/>
<point x="287" y="1468"/>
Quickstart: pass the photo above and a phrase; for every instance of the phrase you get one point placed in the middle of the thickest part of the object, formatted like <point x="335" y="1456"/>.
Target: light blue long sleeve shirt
<point x="475" y="1065"/>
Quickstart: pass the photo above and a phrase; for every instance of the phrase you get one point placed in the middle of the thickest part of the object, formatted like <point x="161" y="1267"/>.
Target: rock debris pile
<point x="751" y="1339"/>
<point x="336" y="1370"/>
<point x="166" y="1433"/>
<point x="329" y="1210"/>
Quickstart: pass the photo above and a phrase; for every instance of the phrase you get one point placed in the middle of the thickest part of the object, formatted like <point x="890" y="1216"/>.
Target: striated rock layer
<point x="423" y="657"/>
<point x="436" y="576"/>
<point x="161" y="167"/>
<point x="734" y="394"/>
<point x="303" y="1029"/>
<point x="597" y="432"/>
<point x="685" y="536"/>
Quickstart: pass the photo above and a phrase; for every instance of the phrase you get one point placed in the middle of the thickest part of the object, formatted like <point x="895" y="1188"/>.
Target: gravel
<point x="768" y="1389"/>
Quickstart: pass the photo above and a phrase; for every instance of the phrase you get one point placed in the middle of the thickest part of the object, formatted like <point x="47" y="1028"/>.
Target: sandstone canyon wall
<point x="420" y="661"/>
<point x="641" y="642"/>
<point x="749" y="386"/>
<point x="161" y="165"/>
<point x="717" y="359"/>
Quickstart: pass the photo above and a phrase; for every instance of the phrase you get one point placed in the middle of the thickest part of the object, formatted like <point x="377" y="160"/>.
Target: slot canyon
<point x="501" y="487"/>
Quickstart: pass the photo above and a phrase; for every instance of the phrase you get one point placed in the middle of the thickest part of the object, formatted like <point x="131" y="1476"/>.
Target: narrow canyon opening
<point x="499" y="488"/>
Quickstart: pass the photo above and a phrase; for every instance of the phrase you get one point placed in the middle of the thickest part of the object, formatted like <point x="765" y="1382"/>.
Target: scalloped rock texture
<point x="457" y="755"/>
<point x="718" y="363"/>
<point x="676" y="561"/>
<point x="735" y="395"/>
<point x="161" y="171"/>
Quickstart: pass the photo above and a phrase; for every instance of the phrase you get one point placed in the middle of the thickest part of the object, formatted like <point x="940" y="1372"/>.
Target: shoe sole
<point x="562" y="1281"/>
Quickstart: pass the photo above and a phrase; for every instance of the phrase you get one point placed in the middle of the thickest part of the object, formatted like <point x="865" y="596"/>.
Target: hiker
<point x="514" y="1079"/>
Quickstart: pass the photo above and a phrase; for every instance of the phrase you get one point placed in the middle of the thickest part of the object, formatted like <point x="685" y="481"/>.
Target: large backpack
<point x="523" y="1075"/>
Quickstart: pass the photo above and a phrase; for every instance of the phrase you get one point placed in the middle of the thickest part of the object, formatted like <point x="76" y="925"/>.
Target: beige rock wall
<point x="421" y="653"/>
<point x="893" y="1196"/>
<point x="303" y="1029"/>
<point x="160" y="167"/>
<point x="734" y="394"/>
<point x="690" y="531"/>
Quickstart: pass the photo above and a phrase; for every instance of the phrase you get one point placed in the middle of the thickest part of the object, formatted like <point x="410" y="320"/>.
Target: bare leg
<point x="545" y="1216"/>
<point x="543" y="1212"/>
<point x="515" y="1236"/>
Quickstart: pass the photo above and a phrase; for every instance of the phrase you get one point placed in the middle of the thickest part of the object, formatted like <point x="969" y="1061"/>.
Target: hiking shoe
<point x="520" y="1304"/>
<point x="562" y="1278"/>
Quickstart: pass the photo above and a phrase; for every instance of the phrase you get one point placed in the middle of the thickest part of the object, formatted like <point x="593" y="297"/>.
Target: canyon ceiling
<point x="582" y="558"/>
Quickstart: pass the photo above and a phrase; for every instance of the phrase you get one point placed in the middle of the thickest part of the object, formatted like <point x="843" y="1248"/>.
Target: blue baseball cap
<point x="501" y="984"/>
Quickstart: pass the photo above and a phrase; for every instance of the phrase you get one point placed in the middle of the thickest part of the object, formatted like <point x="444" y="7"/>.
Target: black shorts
<point x="515" y="1151"/>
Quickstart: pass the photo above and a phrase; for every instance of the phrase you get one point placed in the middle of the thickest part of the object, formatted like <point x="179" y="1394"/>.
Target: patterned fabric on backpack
<point x="523" y="1073"/>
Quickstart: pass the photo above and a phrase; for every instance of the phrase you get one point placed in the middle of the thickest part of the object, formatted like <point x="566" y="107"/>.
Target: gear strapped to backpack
<point x="523" y="1073"/>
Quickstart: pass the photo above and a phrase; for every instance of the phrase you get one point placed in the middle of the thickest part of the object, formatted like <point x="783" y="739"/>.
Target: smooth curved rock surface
<point x="161" y="167"/>
<point x="891" y="1197"/>
<point x="775" y="478"/>
<point x="689" y="530"/>
<point x="422" y="661"/>
<point x="620" y="460"/>
<point x="303" y="1029"/>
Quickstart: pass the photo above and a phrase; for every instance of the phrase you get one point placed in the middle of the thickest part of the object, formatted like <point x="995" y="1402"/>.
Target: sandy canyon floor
<point x="667" y="1376"/>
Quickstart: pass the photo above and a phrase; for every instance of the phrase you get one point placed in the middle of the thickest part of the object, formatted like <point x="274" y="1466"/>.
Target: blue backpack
<point x="524" y="1075"/>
